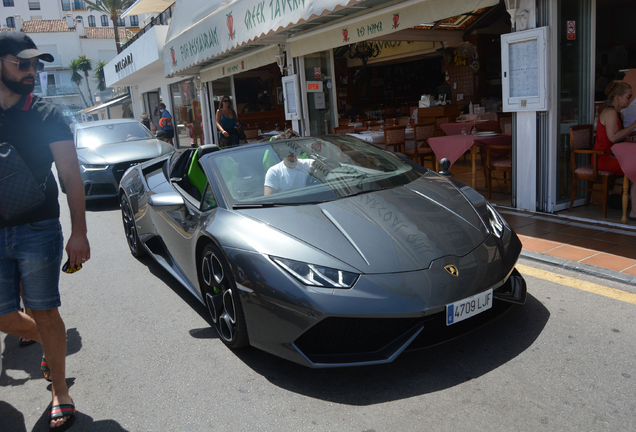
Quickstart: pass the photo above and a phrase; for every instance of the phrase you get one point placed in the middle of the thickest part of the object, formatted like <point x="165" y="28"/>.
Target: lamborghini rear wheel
<point x="222" y="298"/>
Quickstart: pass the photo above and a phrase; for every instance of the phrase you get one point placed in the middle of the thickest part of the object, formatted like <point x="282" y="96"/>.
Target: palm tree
<point x="85" y="65"/>
<point x="77" y="77"/>
<point x="112" y="8"/>
<point x="100" y="80"/>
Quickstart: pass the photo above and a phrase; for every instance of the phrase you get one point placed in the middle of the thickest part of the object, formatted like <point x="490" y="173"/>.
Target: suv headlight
<point x="314" y="275"/>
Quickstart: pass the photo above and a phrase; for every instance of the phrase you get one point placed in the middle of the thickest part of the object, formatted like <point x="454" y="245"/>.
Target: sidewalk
<point x="604" y="250"/>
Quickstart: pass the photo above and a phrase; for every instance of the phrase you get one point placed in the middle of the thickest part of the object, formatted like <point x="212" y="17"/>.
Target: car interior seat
<point x="196" y="176"/>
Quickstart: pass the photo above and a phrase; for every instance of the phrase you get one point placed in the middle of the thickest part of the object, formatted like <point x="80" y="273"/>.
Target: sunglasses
<point x="25" y="65"/>
<point x="226" y="100"/>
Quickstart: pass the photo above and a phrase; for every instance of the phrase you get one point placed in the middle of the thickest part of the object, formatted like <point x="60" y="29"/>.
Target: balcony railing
<point x="161" y="19"/>
<point x="56" y="90"/>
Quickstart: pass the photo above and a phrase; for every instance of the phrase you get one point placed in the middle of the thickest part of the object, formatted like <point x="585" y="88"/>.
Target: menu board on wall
<point x="291" y="97"/>
<point x="524" y="70"/>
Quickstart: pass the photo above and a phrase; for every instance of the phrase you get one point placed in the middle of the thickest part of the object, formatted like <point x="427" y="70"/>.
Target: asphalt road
<point x="143" y="357"/>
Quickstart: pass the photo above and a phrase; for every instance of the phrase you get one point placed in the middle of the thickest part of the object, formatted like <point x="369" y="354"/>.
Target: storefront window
<point x="186" y="114"/>
<point x="256" y="91"/>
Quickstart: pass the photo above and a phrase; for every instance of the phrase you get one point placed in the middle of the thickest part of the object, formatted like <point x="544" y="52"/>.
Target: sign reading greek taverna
<point x="238" y="23"/>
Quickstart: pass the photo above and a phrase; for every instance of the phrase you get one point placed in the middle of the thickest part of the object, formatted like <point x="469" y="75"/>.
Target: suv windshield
<point x="307" y="170"/>
<point x="98" y="135"/>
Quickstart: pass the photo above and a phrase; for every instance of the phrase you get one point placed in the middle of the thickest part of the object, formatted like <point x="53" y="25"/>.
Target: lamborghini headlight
<point x="495" y="222"/>
<point x="314" y="275"/>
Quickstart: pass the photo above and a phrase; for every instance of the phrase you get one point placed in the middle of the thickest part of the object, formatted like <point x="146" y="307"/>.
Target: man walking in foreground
<point x="31" y="245"/>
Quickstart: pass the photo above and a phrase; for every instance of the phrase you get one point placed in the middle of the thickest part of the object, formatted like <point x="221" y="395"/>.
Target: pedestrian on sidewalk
<point x="32" y="243"/>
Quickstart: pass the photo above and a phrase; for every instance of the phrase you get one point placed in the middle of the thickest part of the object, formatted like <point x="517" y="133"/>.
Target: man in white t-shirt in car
<point x="290" y="173"/>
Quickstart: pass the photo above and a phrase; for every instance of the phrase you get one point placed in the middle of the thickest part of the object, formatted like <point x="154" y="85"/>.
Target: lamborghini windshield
<point x="307" y="170"/>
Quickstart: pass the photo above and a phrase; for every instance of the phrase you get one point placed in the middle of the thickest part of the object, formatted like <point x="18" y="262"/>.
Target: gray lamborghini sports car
<point x="326" y="251"/>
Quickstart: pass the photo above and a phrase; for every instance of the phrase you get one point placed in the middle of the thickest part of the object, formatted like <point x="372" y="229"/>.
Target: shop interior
<point x="615" y="54"/>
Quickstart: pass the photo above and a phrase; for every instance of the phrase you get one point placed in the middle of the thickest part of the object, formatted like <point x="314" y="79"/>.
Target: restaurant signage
<point x="235" y="25"/>
<point x="380" y="23"/>
<point x="314" y="86"/>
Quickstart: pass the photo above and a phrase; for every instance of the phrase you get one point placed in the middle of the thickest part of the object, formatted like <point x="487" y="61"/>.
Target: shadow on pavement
<point x="28" y="359"/>
<point x="83" y="422"/>
<point x="413" y="373"/>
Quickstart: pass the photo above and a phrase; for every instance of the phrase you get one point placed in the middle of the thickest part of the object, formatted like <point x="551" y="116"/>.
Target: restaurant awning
<point x="252" y="60"/>
<point x="196" y="38"/>
<point x="147" y="7"/>
<point x="381" y="22"/>
<point x="105" y="104"/>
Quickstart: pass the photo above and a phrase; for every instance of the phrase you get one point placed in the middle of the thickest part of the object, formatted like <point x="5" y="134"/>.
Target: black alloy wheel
<point x="130" y="228"/>
<point x="221" y="298"/>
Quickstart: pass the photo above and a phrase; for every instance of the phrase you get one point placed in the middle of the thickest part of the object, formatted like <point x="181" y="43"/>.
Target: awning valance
<point x="253" y="60"/>
<point x="380" y="23"/>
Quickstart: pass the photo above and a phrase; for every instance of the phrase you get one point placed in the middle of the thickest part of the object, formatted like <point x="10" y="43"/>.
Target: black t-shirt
<point x="31" y="126"/>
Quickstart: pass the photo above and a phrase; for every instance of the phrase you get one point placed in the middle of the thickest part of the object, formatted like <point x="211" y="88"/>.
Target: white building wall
<point x="52" y="9"/>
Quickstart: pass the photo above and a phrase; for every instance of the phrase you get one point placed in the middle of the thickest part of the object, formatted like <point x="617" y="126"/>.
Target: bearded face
<point x="22" y="86"/>
<point x="290" y="161"/>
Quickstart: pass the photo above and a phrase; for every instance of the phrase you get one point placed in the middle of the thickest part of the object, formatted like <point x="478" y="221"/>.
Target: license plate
<point x="468" y="307"/>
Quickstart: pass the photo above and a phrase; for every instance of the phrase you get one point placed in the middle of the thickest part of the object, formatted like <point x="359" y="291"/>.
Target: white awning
<point x="380" y="23"/>
<point x="194" y="37"/>
<point x="253" y="60"/>
<point x="147" y="7"/>
<point x="105" y="104"/>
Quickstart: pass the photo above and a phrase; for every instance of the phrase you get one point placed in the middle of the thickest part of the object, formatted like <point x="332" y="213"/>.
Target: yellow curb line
<point x="613" y="293"/>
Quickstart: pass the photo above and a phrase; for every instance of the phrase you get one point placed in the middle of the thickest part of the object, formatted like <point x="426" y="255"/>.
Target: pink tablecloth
<point x="452" y="147"/>
<point x="626" y="155"/>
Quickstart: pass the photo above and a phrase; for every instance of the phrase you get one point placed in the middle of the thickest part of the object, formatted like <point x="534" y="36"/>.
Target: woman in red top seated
<point x="610" y="130"/>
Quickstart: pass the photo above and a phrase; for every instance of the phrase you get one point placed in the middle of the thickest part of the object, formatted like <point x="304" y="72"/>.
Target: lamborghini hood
<point x="394" y="230"/>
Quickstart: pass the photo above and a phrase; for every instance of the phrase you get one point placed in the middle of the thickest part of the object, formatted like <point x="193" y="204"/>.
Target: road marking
<point x="613" y="293"/>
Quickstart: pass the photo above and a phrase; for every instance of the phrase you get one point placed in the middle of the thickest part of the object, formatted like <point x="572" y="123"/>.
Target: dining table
<point x="377" y="137"/>
<point x="452" y="147"/>
<point x="481" y="126"/>
<point x="625" y="153"/>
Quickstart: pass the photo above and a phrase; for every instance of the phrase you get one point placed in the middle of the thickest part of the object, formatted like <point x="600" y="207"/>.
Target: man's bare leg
<point x="53" y="340"/>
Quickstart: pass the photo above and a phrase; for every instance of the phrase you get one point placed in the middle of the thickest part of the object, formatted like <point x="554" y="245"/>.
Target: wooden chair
<point x="505" y="124"/>
<point x="390" y="121"/>
<point x="581" y="143"/>
<point x="375" y="126"/>
<point x="438" y="122"/>
<point x="496" y="158"/>
<point x="344" y="121"/>
<point x="421" y="150"/>
<point x="251" y="134"/>
<point x="343" y="130"/>
<point x="403" y="121"/>
<point x="395" y="136"/>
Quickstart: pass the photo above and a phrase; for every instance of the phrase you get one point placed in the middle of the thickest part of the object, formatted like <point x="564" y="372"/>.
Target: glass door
<point x="320" y="104"/>
<point x="575" y="88"/>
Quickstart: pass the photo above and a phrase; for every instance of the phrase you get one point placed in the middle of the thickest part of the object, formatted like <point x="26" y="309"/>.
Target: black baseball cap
<point x="21" y="46"/>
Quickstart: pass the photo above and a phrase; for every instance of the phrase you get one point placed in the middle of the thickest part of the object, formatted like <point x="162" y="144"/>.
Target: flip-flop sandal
<point x="59" y="411"/>
<point x="25" y="342"/>
<point x="45" y="368"/>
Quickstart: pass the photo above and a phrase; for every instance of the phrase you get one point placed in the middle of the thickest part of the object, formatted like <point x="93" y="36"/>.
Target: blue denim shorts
<point x="31" y="253"/>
